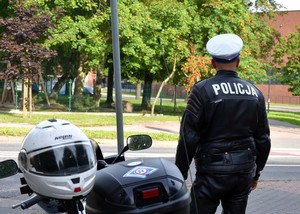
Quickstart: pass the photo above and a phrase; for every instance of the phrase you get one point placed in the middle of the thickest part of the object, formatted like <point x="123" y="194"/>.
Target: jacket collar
<point x="227" y="73"/>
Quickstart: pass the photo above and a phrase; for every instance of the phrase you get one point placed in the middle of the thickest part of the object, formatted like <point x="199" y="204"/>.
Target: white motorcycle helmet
<point x="58" y="160"/>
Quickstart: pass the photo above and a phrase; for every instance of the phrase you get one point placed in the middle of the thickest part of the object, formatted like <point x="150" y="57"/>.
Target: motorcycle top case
<point x="144" y="186"/>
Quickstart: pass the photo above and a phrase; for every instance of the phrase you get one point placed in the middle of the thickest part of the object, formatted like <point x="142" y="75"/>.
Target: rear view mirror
<point x="139" y="142"/>
<point x="8" y="168"/>
<point x="135" y="143"/>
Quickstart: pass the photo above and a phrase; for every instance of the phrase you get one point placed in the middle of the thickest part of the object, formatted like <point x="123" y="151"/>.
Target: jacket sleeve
<point x="189" y="134"/>
<point x="262" y="139"/>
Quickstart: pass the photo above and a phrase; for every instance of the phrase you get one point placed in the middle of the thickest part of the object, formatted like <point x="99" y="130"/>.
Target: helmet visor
<point x="62" y="160"/>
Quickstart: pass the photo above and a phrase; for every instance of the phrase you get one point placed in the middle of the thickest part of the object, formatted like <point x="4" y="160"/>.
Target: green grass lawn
<point x="289" y="117"/>
<point x="85" y="120"/>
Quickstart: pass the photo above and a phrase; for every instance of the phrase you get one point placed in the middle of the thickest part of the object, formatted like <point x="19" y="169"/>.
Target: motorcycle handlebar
<point x="29" y="202"/>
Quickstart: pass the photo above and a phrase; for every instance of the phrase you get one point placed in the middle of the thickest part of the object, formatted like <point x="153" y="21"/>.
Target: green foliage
<point x="212" y="17"/>
<point x="217" y="16"/>
<point x="141" y="26"/>
<point x="289" y="48"/>
<point x="84" y="103"/>
<point x="253" y="70"/>
<point x="82" y="35"/>
<point x="6" y="9"/>
<point x="136" y="27"/>
<point x="267" y="6"/>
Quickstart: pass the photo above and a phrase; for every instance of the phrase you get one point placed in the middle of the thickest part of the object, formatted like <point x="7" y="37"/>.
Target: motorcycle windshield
<point x="62" y="160"/>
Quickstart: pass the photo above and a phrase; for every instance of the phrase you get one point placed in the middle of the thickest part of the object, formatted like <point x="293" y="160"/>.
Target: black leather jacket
<point x="224" y="127"/>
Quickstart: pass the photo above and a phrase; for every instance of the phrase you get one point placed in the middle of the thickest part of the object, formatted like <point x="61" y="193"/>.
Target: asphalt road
<point x="278" y="190"/>
<point x="282" y="166"/>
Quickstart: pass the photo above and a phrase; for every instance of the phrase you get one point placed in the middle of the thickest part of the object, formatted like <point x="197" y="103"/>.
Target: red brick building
<point x="285" y="22"/>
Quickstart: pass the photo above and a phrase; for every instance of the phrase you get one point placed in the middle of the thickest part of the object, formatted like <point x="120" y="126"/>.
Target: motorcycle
<point x="144" y="186"/>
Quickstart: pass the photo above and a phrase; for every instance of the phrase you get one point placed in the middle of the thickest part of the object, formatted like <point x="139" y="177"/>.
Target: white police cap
<point x="225" y="47"/>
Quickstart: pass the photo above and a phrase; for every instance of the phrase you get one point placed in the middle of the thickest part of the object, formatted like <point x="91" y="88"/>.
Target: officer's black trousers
<point x="231" y="190"/>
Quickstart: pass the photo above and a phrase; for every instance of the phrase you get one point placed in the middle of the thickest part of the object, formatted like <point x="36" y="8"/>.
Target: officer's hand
<point x="254" y="185"/>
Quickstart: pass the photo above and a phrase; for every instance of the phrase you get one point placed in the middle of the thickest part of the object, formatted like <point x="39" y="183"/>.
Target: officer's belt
<point x="228" y="158"/>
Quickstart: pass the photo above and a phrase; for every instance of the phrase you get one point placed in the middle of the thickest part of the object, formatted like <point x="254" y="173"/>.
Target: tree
<point x="144" y="23"/>
<point x="81" y="37"/>
<point x="287" y="55"/>
<point x="215" y="17"/>
<point x="21" y="45"/>
<point x="162" y="85"/>
<point x="83" y="40"/>
<point x="21" y="41"/>
<point x="138" y="42"/>
<point x="197" y="68"/>
<point x="176" y="23"/>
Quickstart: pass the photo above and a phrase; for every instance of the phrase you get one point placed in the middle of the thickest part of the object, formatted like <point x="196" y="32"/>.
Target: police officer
<point x="225" y="129"/>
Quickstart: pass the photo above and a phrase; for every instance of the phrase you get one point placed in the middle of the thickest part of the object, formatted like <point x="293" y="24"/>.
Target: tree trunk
<point x="30" y="97"/>
<point x="146" y="101"/>
<point x="43" y="87"/>
<point x="162" y="85"/>
<point x="58" y="85"/>
<point x="138" y="90"/>
<point x="4" y="92"/>
<point x="97" y="86"/>
<point x="13" y="92"/>
<point x="25" y="98"/>
<point x="79" y="82"/>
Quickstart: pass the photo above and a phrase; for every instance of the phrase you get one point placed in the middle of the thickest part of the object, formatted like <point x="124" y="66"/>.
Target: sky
<point x="290" y="4"/>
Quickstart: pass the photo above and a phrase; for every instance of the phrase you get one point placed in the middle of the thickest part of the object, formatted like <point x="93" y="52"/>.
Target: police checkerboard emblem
<point x="140" y="172"/>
